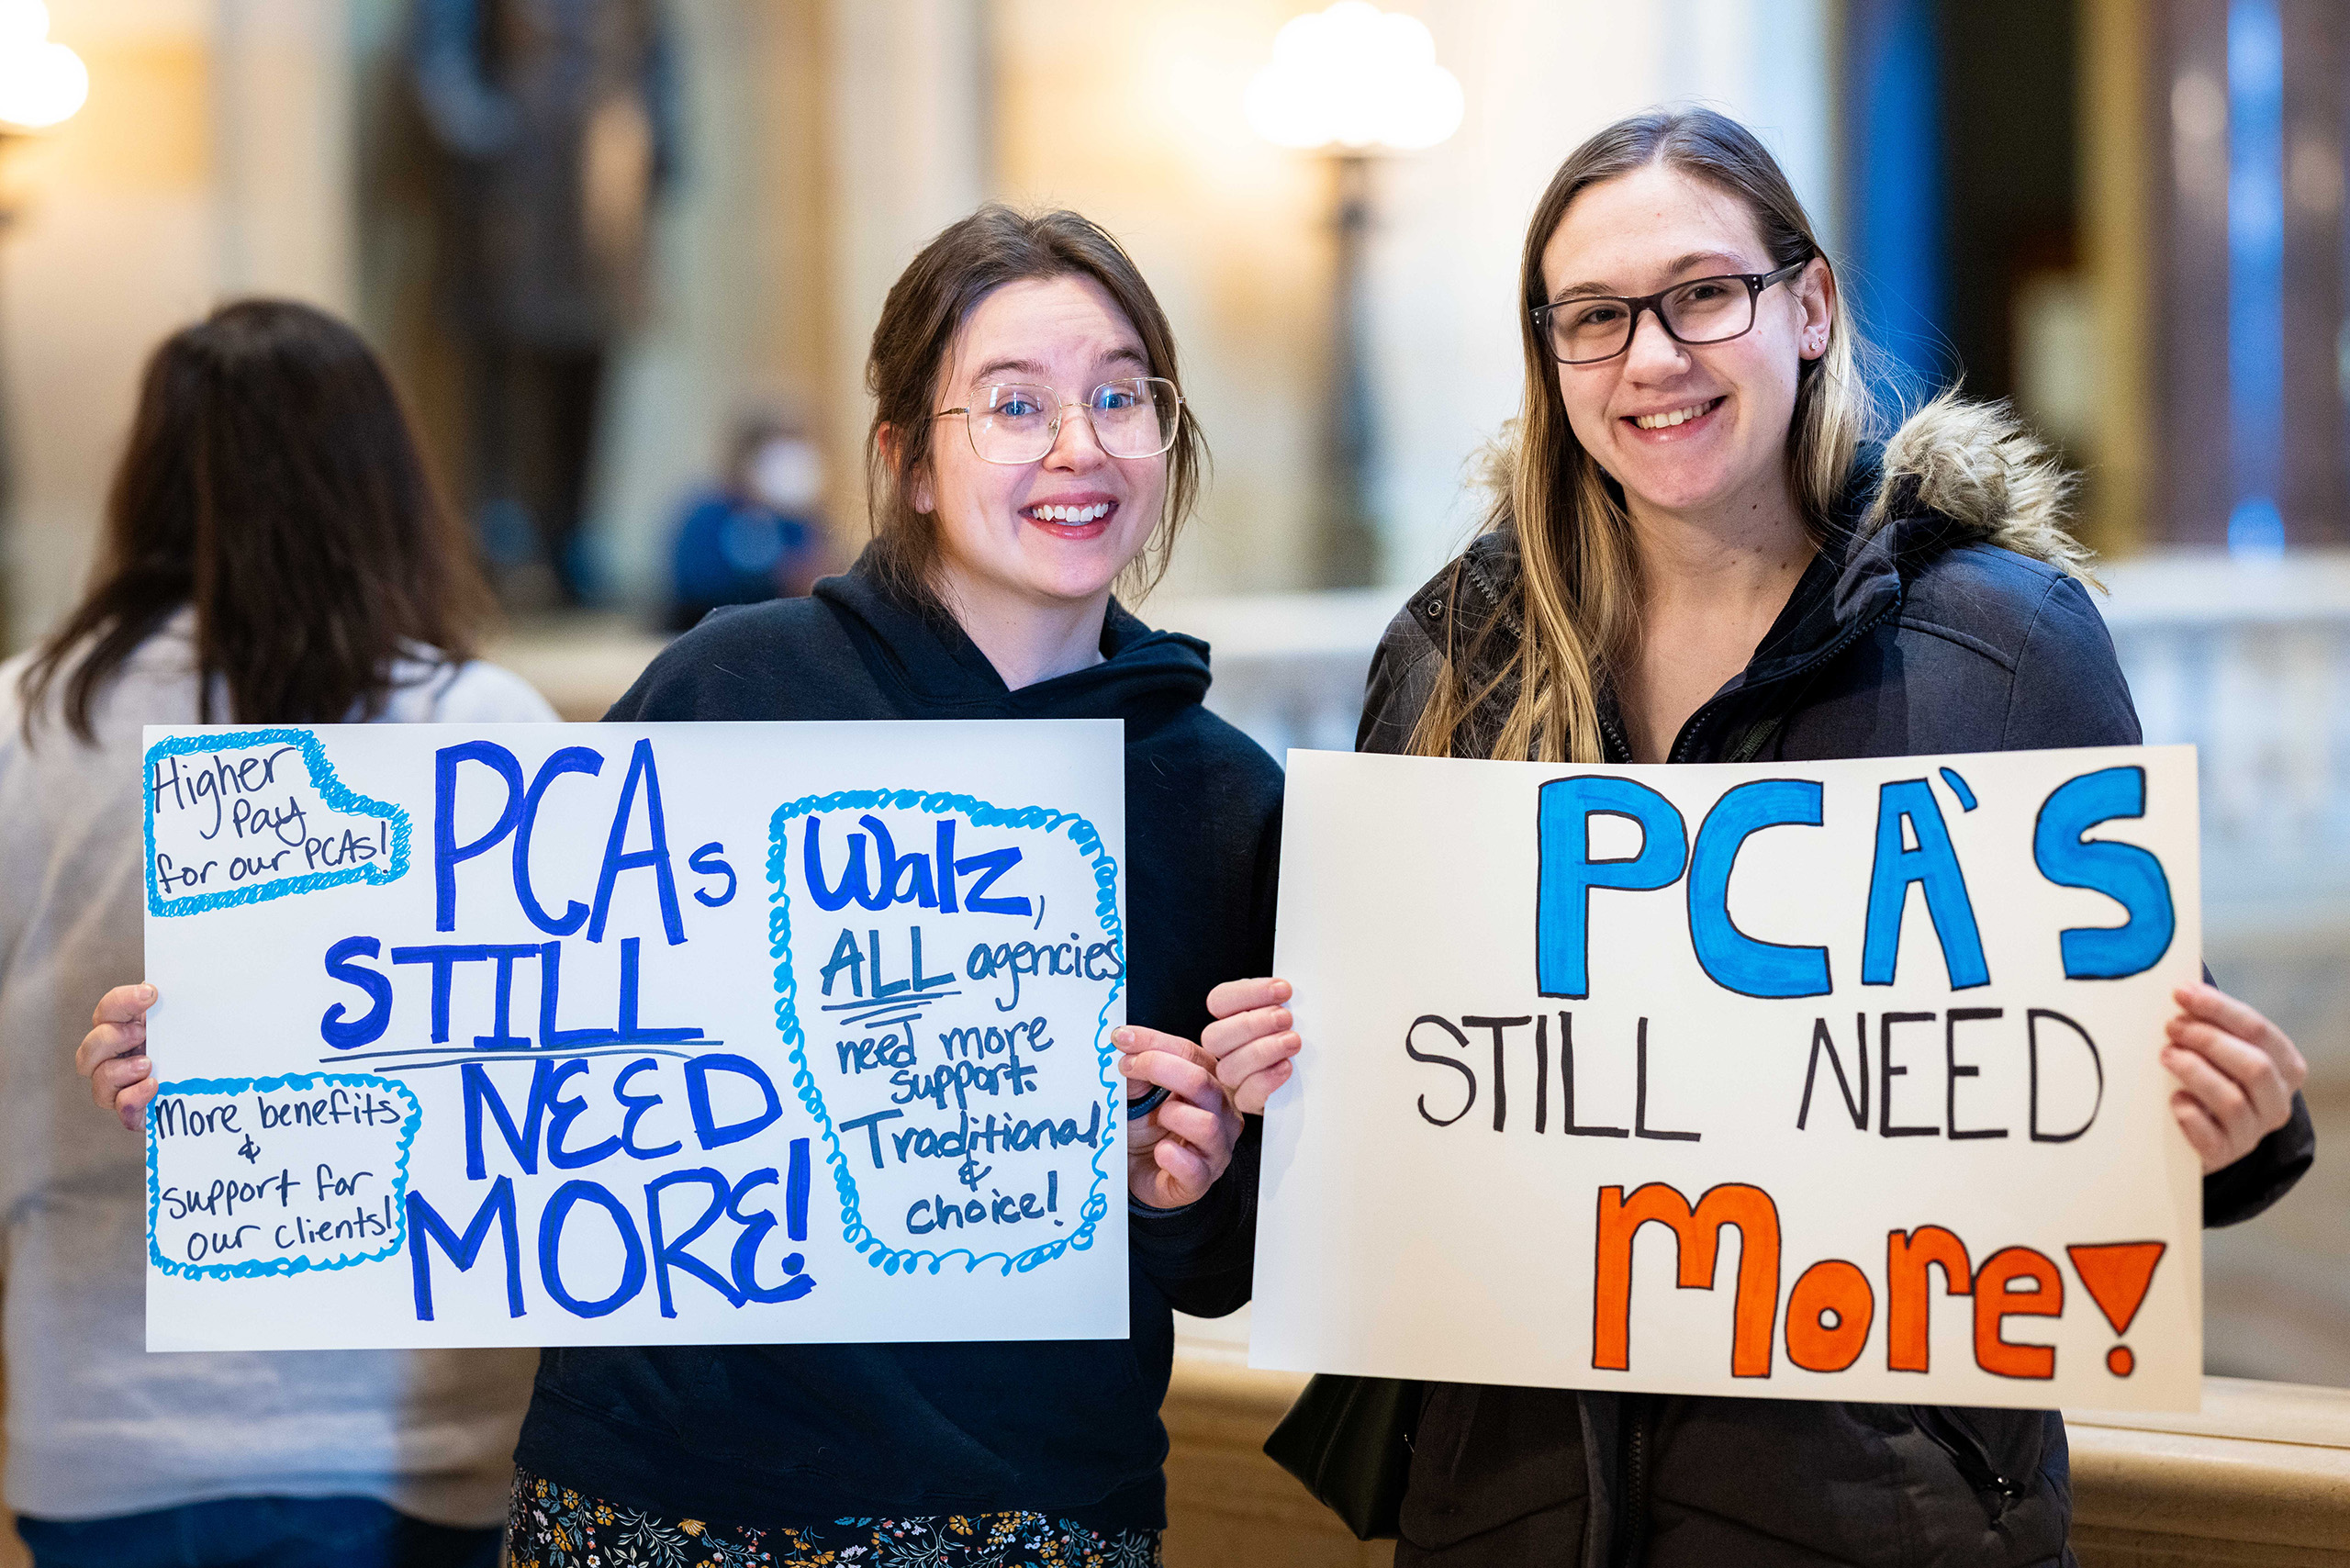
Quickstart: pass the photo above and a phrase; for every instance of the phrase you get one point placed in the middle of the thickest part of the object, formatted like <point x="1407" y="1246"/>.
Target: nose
<point x="1653" y="353"/>
<point x="1076" y="449"/>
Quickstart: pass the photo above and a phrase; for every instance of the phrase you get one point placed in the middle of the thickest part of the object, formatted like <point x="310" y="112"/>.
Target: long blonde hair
<point x="1574" y="605"/>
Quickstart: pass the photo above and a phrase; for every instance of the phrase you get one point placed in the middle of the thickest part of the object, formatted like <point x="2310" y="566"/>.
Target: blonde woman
<point x="1696" y="555"/>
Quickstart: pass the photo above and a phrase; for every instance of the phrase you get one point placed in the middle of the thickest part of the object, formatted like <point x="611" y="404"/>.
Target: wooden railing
<point x="2261" y="1477"/>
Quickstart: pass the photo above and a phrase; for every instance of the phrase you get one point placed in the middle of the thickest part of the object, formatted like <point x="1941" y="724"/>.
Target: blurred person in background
<point x="757" y="534"/>
<point x="274" y="554"/>
<point x="555" y="126"/>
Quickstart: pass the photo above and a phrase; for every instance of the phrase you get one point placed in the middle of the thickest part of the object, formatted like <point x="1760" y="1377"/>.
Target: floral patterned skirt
<point x="551" y="1526"/>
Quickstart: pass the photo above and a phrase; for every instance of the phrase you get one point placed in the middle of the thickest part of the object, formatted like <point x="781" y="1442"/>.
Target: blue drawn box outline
<point x="338" y="796"/>
<point x="257" y="1268"/>
<point x="1086" y="837"/>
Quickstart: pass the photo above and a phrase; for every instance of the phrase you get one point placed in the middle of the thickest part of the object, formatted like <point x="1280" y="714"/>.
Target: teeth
<point x="1071" y="515"/>
<point x="1678" y="416"/>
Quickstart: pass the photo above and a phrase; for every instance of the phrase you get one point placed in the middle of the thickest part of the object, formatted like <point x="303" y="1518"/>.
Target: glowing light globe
<point x="1353" y="77"/>
<point x="23" y="23"/>
<point x="42" y="84"/>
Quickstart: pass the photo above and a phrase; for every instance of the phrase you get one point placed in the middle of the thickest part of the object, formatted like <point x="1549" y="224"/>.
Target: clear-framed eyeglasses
<point x="1015" y="422"/>
<point x="1588" y="328"/>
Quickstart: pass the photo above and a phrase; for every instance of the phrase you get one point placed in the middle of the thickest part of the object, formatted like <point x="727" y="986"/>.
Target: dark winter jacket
<point x="785" y="1434"/>
<point x="1931" y="621"/>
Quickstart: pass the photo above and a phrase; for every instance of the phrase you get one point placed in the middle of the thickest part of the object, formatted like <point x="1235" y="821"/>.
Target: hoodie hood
<point x="1144" y="675"/>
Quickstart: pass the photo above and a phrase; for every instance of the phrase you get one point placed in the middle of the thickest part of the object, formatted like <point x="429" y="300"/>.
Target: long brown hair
<point x="271" y="481"/>
<point x="1574" y="604"/>
<point x="968" y="260"/>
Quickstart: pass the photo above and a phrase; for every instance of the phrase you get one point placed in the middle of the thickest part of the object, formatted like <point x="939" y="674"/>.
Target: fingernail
<point x="1282" y="992"/>
<point x="147" y="992"/>
<point x="1121" y="1037"/>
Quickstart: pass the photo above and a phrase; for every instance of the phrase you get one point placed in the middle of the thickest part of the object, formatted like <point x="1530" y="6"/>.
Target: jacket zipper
<point x="1631" y="1543"/>
<point x="1686" y="742"/>
<point x="1613" y="733"/>
<point x="1632" y="1537"/>
<point x="1968" y="1456"/>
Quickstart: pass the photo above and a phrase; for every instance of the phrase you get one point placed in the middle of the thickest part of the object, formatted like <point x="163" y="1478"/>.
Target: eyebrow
<point x="995" y="367"/>
<point x="1124" y="355"/>
<point x="1680" y="265"/>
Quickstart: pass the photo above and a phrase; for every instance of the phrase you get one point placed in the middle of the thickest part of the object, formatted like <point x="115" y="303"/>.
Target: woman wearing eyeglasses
<point x="1695" y="555"/>
<point x="1028" y="451"/>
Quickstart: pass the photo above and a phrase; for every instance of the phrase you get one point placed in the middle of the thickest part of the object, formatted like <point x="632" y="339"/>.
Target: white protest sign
<point x="1812" y="1080"/>
<point x="608" y="1033"/>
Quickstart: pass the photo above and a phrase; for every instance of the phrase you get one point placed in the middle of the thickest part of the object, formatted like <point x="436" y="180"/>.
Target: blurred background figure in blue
<point x="554" y="126"/>
<point x="758" y="532"/>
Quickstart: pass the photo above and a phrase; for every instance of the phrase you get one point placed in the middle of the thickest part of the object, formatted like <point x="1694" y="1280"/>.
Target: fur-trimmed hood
<point x="1992" y="481"/>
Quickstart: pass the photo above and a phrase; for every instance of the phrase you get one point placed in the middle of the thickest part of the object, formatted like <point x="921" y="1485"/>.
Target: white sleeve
<point x="484" y="693"/>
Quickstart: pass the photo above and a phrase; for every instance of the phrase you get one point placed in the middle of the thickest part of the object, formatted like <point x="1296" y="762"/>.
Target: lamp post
<point x="42" y="85"/>
<point x="1352" y="83"/>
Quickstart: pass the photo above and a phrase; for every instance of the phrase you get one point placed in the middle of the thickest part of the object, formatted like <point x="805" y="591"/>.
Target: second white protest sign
<point x="1833" y="1080"/>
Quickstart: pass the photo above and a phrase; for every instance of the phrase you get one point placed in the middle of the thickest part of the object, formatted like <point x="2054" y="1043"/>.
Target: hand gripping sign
<point x="1834" y="1080"/>
<point x="545" y="1035"/>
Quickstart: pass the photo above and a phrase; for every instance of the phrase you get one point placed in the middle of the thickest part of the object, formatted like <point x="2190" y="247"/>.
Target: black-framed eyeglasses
<point x="1587" y="328"/>
<point x="1137" y="416"/>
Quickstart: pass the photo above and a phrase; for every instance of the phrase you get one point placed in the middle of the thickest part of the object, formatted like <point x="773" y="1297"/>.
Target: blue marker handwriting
<point x="1990" y="1065"/>
<point x="277" y="1176"/>
<point x="614" y="1150"/>
<point x="243" y="815"/>
<point x="1913" y="848"/>
<point x="934" y="951"/>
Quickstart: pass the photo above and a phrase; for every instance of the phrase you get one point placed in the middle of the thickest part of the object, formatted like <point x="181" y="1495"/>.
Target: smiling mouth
<point x="1072" y="522"/>
<point x="1672" y="417"/>
<point x="1069" y="516"/>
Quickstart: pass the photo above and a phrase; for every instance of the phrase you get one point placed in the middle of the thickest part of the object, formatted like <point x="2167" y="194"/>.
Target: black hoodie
<point x="797" y="1433"/>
